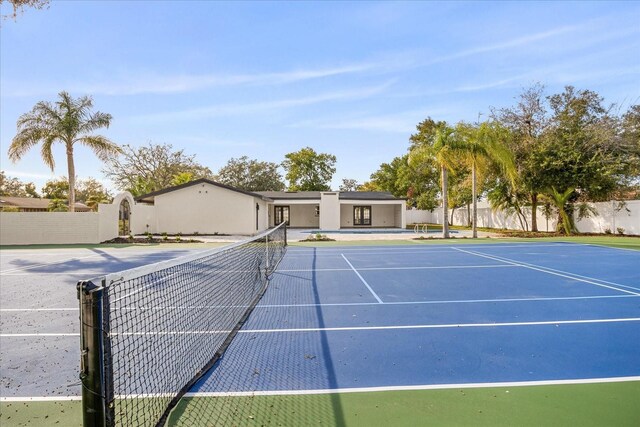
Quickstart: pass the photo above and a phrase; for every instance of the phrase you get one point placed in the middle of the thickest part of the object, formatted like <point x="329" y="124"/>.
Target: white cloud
<point x="137" y="84"/>
<point x="404" y="122"/>
<point x="28" y="175"/>
<point x="253" y="107"/>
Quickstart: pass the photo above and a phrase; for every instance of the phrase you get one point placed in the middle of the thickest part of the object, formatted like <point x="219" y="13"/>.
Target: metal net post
<point x="94" y="409"/>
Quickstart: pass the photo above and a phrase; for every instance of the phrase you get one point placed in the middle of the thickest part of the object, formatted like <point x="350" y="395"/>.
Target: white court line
<point x="502" y="384"/>
<point x="363" y="281"/>
<point x="442" y="326"/>
<point x="433" y="267"/>
<point x="573" y="274"/>
<point x="353" y="328"/>
<point x="333" y="304"/>
<point x="414" y="387"/>
<point x="417" y="248"/>
<point x="545" y="270"/>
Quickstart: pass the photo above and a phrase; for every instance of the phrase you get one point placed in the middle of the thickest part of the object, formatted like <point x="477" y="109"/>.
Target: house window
<point x="317" y="211"/>
<point x="281" y="214"/>
<point x="362" y="215"/>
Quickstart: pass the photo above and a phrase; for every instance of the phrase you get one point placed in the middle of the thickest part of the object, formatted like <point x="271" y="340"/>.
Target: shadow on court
<point x="248" y="373"/>
<point x="100" y="262"/>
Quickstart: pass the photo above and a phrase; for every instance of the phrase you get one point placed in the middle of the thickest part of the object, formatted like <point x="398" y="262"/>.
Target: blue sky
<point x="223" y="80"/>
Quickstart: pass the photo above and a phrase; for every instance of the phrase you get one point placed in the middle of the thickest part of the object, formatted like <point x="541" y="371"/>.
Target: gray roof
<point x="296" y="195"/>
<point x="32" y="203"/>
<point x="315" y="195"/>
<point x="149" y="197"/>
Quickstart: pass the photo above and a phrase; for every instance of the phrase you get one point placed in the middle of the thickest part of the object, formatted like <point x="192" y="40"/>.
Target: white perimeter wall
<point x="610" y="216"/>
<point x="29" y="228"/>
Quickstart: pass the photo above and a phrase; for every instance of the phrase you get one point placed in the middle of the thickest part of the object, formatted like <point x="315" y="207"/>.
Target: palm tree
<point x="68" y="121"/>
<point x="561" y="201"/>
<point x="481" y="145"/>
<point x="95" y="199"/>
<point x="442" y="150"/>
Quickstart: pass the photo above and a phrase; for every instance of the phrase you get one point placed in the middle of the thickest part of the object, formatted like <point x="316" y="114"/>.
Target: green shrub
<point x="607" y="231"/>
<point x="620" y="231"/>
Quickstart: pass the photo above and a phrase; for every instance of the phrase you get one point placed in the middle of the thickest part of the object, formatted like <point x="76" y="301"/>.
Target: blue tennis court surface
<point x="389" y="317"/>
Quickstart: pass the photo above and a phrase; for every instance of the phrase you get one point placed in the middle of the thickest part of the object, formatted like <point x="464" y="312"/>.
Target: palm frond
<point x="46" y="151"/>
<point x="103" y="148"/>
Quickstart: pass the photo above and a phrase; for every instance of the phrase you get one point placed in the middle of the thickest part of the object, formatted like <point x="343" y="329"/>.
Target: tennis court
<point x="370" y="322"/>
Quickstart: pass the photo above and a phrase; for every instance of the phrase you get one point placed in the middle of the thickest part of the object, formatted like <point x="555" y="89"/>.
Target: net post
<point x="94" y="410"/>
<point x="266" y="245"/>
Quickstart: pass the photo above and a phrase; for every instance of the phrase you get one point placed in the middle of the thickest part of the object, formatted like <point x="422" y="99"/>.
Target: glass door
<point x="281" y="214"/>
<point x="362" y="215"/>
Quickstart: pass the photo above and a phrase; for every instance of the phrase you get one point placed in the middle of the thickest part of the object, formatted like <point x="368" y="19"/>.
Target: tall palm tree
<point x="68" y="121"/>
<point x="481" y="145"/>
<point x="441" y="148"/>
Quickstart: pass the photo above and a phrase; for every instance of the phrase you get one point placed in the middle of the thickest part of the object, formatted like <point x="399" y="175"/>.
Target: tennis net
<point x="148" y="334"/>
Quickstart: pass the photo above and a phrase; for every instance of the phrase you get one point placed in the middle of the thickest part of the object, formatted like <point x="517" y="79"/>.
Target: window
<point x="282" y="214"/>
<point x="317" y="212"/>
<point x="362" y="215"/>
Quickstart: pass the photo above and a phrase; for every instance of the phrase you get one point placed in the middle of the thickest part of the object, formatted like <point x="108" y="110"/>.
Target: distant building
<point x="30" y="204"/>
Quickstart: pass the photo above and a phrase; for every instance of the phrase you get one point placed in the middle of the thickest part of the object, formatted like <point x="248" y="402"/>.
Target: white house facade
<point x="208" y="207"/>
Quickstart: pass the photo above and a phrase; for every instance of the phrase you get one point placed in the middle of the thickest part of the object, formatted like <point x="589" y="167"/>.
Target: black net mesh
<point x="166" y="324"/>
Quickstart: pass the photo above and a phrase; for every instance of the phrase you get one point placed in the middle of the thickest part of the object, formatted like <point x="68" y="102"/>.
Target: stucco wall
<point x="28" y="228"/>
<point x="205" y="208"/>
<point x="329" y="211"/>
<point x="382" y="215"/>
<point x="303" y="216"/>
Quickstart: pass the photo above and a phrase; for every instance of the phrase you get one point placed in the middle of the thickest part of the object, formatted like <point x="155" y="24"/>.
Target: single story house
<point x="335" y="210"/>
<point x="32" y="204"/>
<point x="207" y="207"/>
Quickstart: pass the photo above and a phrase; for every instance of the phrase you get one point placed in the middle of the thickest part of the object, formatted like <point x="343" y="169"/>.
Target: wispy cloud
<point x="173" y="84"/>
<point x="28" y="175"/>
<point x="404" y="122"/>
<point x="271" y="105"/>
<point x="517" y="42"/>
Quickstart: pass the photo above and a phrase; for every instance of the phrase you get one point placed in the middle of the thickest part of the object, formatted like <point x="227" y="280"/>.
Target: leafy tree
<point x="56" y="189"/>
<point x="182" y="178"/>
<point x="95" y="199"/>
<point x="370" y="186"/>
<point x="527" y="121"/>
<point x="630" y="141"/>
<point x="153" y="167"/>
<point x="58" y="205"/>
<point x="308" y="170"/>
<point x="251" y="175"/>
<point x="92" y="189"/>
<point x="480" y="145"/>
<point x="416" y="181"/>
<point x="89" y="189"/>
<point x="69" y="121"/>
<point x="349" y="185"/>
<point x="19" y="5"/>
<point x="582" y="151"/>
<point x="16" y="188"/>
<point x="30" y="189"/>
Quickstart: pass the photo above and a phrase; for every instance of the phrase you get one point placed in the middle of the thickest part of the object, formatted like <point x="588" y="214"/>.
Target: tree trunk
<point x="72" y="178"/>
<point x="475" y="202"/>
<point x="468" y="214"/>
<point x="534" y="211"/>
<point x="453" y="211"/>
<point x="445" y="204"/>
